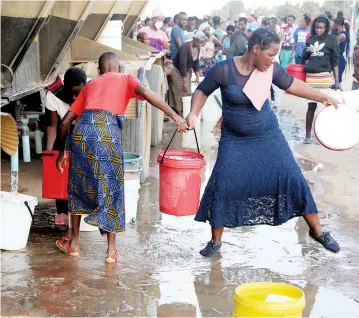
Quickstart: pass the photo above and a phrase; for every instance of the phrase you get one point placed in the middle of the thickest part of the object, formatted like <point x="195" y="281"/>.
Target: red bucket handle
<point x="195" y="136"/>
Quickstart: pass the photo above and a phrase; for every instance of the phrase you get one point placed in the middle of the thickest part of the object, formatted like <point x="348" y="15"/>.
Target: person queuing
<point x="167" y="26"/>
<point x="158" y="38"/>
<point x="143" y="38"/>
<point x="256" y="179"/>
<point x="356" y="65"/>
<point x="187" y="59"/>
<point x="209" y="50"/>
<point x="300" y="37"/>
<point x="275" y="91"/>
<point x="343" y="41"/>
<point x="178" y="37"/>
<point x="239" y="40"/>
<point x="96" y="173"/>
<point x="218" y="31"/>
<point x="56" y="106"/>
<point x="288" y="40"/>
<point x="322" y="54"/>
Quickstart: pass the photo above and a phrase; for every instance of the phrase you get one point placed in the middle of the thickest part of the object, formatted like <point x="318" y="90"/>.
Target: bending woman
<point x="57" y="104"/>
<point x="256" y="179"/>
<point x="96" y="175"/>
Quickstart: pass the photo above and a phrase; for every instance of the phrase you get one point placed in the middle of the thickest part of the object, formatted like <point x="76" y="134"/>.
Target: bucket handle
<point x="195" y="136"/>
<point x="31" y="214"/>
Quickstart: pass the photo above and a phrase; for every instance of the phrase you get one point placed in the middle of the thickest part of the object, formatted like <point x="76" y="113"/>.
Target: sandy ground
<point x="160" y="272"/>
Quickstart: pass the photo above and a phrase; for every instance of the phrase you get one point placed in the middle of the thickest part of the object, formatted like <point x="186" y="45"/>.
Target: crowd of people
<point x="322" y="44"/>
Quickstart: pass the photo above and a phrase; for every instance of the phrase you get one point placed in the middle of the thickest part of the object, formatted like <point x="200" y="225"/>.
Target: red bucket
<point x="180" y="182"/>
<point x="54" y="183"/>
<point x="297" y="71"/>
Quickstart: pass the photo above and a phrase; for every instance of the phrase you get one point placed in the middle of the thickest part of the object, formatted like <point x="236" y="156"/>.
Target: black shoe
<point x="210" y="249"/>
<point x="327" y="241"/>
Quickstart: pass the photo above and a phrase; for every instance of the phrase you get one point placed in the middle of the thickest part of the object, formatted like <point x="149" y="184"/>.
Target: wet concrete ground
<point x="161" y="273"/>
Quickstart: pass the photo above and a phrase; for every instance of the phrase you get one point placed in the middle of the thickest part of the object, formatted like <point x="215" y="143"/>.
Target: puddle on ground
<point x="160" y="272"/>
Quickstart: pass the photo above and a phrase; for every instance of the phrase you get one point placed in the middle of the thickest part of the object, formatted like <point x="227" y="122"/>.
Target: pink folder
<point x="258" y="86"/>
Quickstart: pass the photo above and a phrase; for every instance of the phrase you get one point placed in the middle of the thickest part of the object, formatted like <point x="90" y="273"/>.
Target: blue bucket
<point x="132" y="161"/>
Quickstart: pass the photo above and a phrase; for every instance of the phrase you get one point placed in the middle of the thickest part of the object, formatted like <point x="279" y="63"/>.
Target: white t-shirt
<point x="56" y="105"/>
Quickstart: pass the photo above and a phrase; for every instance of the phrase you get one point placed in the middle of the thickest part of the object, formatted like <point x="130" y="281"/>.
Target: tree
<point x="230" y="10"/>
<point x="285" y="9"/>
<point x="334" y="6"/>
<point x="311" y="7"/>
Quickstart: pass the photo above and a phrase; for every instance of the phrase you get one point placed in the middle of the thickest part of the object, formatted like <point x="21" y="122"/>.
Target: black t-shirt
<point x="325" y="55"/>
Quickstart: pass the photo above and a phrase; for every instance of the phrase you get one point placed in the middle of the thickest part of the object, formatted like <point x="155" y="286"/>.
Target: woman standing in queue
<point x="96" y="174"/>
<point x="186" y="59"/>
<point x="256" y="179"/>
<point x="322" y="54"/>
<point x="344" y="43"/>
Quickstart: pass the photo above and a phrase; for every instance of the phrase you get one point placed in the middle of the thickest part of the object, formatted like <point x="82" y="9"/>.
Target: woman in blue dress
<point x="256" y="179"/>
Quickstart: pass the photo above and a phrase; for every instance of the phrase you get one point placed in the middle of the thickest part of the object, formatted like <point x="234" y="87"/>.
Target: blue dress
<point x="342" y="61"/>
<point x="256" y="179"/>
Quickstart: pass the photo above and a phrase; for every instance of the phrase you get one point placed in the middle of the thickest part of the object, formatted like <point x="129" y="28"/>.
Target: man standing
<point x="177" y="34"/>
<point x="158" y="38"/>
<point x="239" y="40"/>
<point x="300" y="38"/>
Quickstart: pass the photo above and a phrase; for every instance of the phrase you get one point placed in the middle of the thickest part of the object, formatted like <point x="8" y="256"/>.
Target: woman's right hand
<point x="185" y="86"/>
<point x="61" y="159"/>
<point x="191" y="120"/>
<point x="182" y="124"/>
<point x="331" y="101"/>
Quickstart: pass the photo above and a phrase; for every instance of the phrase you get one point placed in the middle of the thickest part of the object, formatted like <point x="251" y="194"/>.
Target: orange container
<point x="180" y="182"/>
<point x="54" y="183"/>
<point x="297" y="71"/>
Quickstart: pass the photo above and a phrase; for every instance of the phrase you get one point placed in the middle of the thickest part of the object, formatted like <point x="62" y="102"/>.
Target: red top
<point x="110" y="91"/>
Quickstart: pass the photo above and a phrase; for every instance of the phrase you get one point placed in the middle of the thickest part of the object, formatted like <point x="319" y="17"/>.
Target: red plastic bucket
<point x="180" y="182"/>
<point x="297" y="71"/>
<point x="54" y="183"/>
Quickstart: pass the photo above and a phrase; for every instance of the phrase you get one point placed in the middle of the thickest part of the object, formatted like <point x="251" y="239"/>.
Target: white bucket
<point x="84" y="227"/>
<point x="351" y="98"/>
<point x="211" y="111"/>
<point x="16" y="219"/>
<point x="111" y="35"/>
<point x="131" y="199"/>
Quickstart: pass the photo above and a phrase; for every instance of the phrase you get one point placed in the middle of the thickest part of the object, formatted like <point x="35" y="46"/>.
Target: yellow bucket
<point x="268" y="300"/>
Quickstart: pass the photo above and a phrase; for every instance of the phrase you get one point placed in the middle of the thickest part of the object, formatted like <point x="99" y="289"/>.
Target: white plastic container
<point x="131" y="199"/>
<point x="112" y="34"/>
<point x="16" y="219"/>
<point x="84" y="227"/>
<point x="351" y="98"/>
<point x="211" y="111"/>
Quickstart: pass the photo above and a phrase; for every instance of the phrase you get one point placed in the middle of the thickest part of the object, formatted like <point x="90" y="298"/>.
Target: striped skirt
<point x="320" y="81"/>
<point x="96" y="175"/>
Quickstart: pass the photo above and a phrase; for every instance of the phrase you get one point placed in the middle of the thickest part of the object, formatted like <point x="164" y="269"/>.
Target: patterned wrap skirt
<point x="96" y="175"/>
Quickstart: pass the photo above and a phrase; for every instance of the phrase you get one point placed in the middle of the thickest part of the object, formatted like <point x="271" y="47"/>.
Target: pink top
<point x="110" y="91"/>
<point x="152" y="34"/>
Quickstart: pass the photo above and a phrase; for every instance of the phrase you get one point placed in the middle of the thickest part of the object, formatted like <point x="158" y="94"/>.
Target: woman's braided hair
<point x="264" y="37"/>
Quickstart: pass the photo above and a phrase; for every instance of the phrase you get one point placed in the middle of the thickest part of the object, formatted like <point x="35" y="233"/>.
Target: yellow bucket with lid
<point x="268" y="300"/>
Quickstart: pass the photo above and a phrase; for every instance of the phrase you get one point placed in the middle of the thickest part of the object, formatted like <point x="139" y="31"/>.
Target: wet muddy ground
<point x="160" y="272"/>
